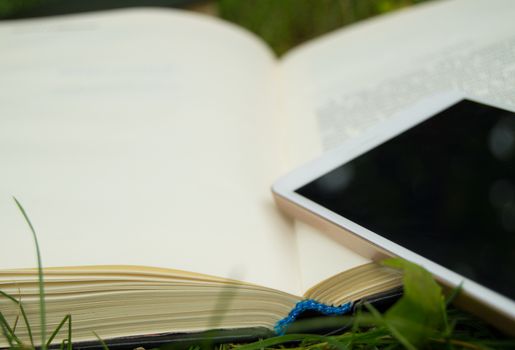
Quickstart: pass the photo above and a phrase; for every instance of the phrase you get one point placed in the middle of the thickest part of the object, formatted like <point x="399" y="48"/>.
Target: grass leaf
<point x="266" y="343"/>
<point x="42" y="308"/>
<point x="23" y="314"/>
<point x="420" y="313"/>
<point x="7" y="331"/>
<point x="102" y="342"/>
<point x="58" y="328"/>
<point x="391" y="327"/>
<point x="454" y="293"/>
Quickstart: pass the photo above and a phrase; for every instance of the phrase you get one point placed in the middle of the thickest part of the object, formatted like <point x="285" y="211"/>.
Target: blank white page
<point x="142" y="137"/>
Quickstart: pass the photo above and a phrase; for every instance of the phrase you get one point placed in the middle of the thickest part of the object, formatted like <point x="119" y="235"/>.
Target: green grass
<point x="422" y="318"/>
<point x="284" y="24"/>
<point x="9" y="332"/>
<point x="10" y="7"/>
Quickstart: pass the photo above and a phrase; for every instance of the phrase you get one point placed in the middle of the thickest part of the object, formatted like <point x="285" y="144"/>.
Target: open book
<point x="141" y="141"/>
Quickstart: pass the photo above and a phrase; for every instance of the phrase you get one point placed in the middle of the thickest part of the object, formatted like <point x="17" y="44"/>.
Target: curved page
<point x="141" y="137"/>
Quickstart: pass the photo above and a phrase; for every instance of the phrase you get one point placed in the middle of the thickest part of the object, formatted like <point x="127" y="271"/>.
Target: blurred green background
<point x="287" y="23"/>
<point x="283" y="24"/>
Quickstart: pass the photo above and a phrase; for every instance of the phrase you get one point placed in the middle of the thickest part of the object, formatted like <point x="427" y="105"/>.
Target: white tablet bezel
<point x="285" y="188"/>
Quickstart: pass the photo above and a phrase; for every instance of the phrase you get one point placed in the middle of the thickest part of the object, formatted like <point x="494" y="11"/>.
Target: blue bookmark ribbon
<point x="310" y="305"/>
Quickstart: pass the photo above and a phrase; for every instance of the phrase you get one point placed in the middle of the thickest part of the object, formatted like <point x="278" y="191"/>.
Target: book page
<point x="142" y="137"/>
<point x="339" y="85"/>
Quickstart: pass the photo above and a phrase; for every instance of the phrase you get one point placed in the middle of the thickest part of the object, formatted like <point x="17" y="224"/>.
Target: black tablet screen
<point x="444" y="189"/>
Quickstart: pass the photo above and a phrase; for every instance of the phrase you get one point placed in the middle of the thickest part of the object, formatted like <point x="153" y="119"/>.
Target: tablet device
<point x="435" y="185"/>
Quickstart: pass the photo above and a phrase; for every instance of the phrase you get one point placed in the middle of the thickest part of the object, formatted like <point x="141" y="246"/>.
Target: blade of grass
<point x="23" y="314"/>
<point x="67" y="343"/>
<point x="8" y="332"/>
<point x="58" y="328"/>
<point x="447" y="326"/>
<point x="281" y="340"/>
<point x="42" y="308"/>
<point x="70" y="333"/>
<point x="509" y="344"/>
<point x="454" y="293"/>
<point x="355" y="326"/>
<point x="380" y="320"/>
<point x="323" y="343"/>
<point x="366" y="336"/>
<point x="223" y="302"/>
<point x="460" y="343"/>
<point x="17" y="319"/>
<point x="16" y="322"/>
<point x="102" y="342"/>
